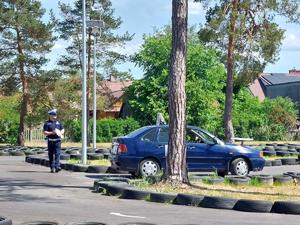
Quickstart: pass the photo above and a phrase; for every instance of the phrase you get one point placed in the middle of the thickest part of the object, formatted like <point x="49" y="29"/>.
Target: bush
<point x="106" y="129"/>
<point x="8" y="131"/>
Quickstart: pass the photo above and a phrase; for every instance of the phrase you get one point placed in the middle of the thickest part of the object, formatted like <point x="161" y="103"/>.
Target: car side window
<point x="150" y="136"/>
<point x="163" y="135"/>
<point x="193" y="137"/>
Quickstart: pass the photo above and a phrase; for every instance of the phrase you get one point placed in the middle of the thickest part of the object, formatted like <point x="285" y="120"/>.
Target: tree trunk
<point x="25" y="92"/>
<point x="176" y="157"/>
<point x="229" y="132"/>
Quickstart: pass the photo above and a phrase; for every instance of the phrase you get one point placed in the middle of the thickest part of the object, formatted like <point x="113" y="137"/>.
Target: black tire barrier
<point x="95" y="156"/>
<point x="238" y="180"/>
<point x="286" y="207"/>
<point x="276" y="162"/>
<point x="268" y="163"/>
<point x="282" y="153"/>
<point x="288" y="161"/>
<point x="4" y="153"/>
<point x="97" y="169"/>
<point x="264" y="179"/>
<point x="189" y="200"/>
<point x="136" y="223"/>
<point x="116" y="189"/>
<point x="213" y="180"/>
<point x="269" y="153"/>
<point x="65" y="157"/>
<point x="253" y="206"/>
<point x="86" y="223"/>
<point x="40" y="223"/>
<point x="218" y="202"/>
<point x="80" y="168"/>
<point x="28" y="159"/>
<point x="106" y="155"/>
<point x="29" y="152"/>
<point x="294" y="175"/>
<point x="37" y="161"/>
<point x="116" y="179"/>
<point x="162" y="197"/>
<point x="17" y="153"/>
<point x="69" y="166"/>
<point x="130" y="193"/>
<point x="75" y="156"/>
<point x="101" y="185"/>
<point x="282" y="179"/>
<point x="5" y="221"/>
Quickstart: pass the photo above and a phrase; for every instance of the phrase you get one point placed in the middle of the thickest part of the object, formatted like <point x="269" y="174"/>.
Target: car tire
<point x="286" y="207"/>
<point x="253" y="206"/>
<point x="218" y="202"/>
<point x="162" y="197"/>
<point x="148" y="167"/>
<point x="239" y="167"/>
<point x="187" y="199"/>
<point x="5" y="221"/>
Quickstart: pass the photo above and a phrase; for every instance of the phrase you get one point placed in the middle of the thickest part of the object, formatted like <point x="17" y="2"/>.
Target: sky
<point x="144" y="16"/>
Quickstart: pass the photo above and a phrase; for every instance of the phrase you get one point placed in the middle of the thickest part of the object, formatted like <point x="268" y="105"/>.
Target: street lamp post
<point x="84" y="107"/>
<point x="95" y="25"/>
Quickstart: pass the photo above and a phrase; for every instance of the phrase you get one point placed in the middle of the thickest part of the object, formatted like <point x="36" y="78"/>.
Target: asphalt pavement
<point x="31" y="193"/>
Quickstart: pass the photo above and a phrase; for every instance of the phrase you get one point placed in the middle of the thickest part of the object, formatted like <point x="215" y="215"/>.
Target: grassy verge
<point x="279" y="157"/>
<point x="253" y="190"/>
<point x="100" y="162"/>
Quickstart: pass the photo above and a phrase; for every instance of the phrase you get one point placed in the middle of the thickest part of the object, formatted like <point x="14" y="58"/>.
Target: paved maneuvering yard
<point x="29" y="192"/>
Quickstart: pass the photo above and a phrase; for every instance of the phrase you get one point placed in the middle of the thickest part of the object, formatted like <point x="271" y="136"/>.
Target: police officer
<point x="54" y="131"/>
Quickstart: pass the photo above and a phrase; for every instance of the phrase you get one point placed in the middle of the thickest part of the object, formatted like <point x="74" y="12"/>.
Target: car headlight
<point x="261" y="154"/>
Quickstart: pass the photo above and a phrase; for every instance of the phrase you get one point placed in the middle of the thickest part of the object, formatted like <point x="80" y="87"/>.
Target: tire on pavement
<point x="162" y="197"/>
<point x="86" y="223"/>
<point x="282" y="179"/>
<point x="80" y="168"/>
<point x="286" y="207"/>
<point x="264" y="178"/>
<point x="190" y="200"/>
<point x="116" y="189"/>
<point x="288" y="161"/>
<point x="276" y="162"/>
<point x="5" y="221"/>
<point x="218" y="202"/>
<point x="40" y="223"/>
<point x="97" y="169"/>
<point x="131" y="193"/>
<point x="253" y="206"/>
<point x="238" y="180"/>
<point x="268" y="163"/>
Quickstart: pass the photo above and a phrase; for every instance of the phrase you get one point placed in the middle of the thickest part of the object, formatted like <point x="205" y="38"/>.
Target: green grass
<point x="100" y="162"/>
<point x="279" y="157"/>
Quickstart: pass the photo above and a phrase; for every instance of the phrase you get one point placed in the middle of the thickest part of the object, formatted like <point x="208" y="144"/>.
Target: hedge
<point x="106" y="129"/>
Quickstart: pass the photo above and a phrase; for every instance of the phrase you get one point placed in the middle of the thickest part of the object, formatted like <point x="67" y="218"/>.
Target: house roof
<point x="278" y="78"/>
<point x="113" y="88"/>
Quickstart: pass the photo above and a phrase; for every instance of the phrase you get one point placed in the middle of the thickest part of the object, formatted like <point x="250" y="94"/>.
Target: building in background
<point x="273" y="85"/>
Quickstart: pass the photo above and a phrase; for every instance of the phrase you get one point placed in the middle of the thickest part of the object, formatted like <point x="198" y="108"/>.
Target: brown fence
<point x="34" y="135"/>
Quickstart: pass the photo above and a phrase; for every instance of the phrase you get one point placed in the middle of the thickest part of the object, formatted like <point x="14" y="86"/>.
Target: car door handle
<point x="192" y="147"/>
<point x="161" y="146"/>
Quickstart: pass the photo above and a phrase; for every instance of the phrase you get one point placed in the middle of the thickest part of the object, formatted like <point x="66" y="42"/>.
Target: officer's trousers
<point x="54" y="148"/>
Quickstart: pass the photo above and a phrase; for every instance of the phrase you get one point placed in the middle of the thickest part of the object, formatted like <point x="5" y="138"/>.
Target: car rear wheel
<point x="239" y="167"/>
<point x="149" y="167"/>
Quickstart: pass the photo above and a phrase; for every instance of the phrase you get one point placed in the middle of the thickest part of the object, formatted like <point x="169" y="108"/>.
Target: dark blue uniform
<point x="54" y="143"/>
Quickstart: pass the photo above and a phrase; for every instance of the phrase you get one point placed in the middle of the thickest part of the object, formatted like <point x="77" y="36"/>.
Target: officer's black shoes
<point x="52" y="170"/>
<point x="57" y="169"/>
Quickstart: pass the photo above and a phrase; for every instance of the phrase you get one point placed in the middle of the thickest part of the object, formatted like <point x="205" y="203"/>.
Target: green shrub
<point x="8" y="131"/>
<point x="106" y="129"/>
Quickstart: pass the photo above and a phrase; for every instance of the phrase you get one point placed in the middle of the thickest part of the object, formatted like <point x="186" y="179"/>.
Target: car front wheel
<point x="148" y="167"/>
<point x="239" y="167"/>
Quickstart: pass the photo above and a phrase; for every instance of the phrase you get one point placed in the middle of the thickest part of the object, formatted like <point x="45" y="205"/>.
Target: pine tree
<point x="248" y="37"/>
<point x="24" y="40"/>
<point x="176" y="158"/>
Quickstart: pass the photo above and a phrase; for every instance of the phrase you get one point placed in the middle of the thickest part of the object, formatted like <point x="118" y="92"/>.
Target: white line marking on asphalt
<point x="123" y="215"/>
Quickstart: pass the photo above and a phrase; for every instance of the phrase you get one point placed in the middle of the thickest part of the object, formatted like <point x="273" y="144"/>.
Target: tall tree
<point x="24" y="40"/>
<point x="69" y="28"/>
<point x="246" y="33"/>
<point x="176" y="157"/>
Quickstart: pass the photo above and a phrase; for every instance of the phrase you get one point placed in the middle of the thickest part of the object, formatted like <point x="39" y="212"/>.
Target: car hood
<point x="242" y="149"/>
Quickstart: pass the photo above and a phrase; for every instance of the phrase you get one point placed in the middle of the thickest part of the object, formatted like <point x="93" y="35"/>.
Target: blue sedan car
<point x="143" y="152"/>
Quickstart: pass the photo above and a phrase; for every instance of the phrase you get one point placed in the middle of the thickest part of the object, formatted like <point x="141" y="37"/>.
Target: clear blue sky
<point x="143" y="16"/>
